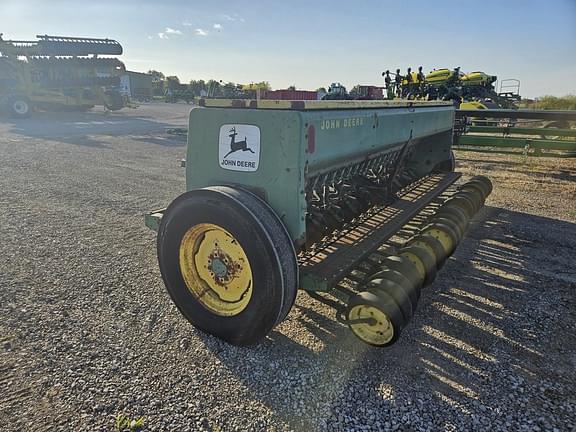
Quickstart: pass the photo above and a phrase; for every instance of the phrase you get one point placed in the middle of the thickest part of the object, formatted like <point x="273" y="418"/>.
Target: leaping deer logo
<point x="237" y="145"/>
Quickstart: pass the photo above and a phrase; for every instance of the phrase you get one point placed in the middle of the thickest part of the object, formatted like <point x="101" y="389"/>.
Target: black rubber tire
<point x="114" y="100"/>
<point x="428" y="261"/>
<point x="462" y="202"/>
<point x="456" y="214"/>
<point x="400" y="279"/>
<point x="447" y="229"/>
<point x="266" y="244"/>
<point x="433" y="244"/>
<point x="447" y="221"/>
<point x="19" y="106"/>
<point x="478" y="185"/>
<point x="484" y="180"/>
<point x="400" y="295"/>
<point x="474" y="194"/>
<point x="384" y="302"/>
<point x="448" y="165"/>
<point x="403" y="266"/>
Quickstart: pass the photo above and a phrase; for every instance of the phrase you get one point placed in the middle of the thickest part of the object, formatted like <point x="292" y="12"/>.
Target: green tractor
<point x="337" y="91"/>
<point x="59" y="73"/>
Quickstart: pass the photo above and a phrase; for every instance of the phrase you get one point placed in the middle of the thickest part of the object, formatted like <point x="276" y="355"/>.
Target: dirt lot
<point x="88" y="332"/>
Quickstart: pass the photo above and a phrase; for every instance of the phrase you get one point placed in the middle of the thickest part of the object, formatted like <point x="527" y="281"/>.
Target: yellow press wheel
<point x="432" y="244"/>
<point x="474" y="194"/>
<point x="411" y="288"/>
<point x="456" y="228"/>
<point x="462" y="202"/>
<point x="444" y="234"/>
<point x="404" y="297"/>
<point x="216" y="269"/>
<point x="476" y="185"/>
<point x="375" y="318"/>
<point x="401" y="265"/>
<point x="227" y="262"/>
<point x="424" y="261"/>
<point x="456" y="214"/>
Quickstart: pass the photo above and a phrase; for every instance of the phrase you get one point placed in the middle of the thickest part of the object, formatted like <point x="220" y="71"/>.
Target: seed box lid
<point x="305" y="105"/>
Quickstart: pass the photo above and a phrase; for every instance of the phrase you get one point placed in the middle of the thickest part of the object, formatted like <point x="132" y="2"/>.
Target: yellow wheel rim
<point x="429" y="248"/>
<point x="442" y="237"/>
<point x="416" y="261"/>
<point x="379" y="333"/>
<point x="215" y="269"/>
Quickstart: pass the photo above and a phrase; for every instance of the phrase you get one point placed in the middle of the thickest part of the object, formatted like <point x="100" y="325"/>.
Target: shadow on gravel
<point x="480" y="346"/>
<point x="166" y="141"/>
<point x="83" y="128"/>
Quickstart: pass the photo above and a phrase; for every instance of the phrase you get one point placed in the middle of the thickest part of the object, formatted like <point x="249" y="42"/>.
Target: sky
<point x="312" y="43"/>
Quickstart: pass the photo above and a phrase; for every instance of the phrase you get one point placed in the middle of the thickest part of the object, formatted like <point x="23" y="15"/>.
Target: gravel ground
<point x="88" y="332"/>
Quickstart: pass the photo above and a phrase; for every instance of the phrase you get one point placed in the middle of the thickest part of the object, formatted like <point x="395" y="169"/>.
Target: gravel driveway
<point x="88" y="332"/>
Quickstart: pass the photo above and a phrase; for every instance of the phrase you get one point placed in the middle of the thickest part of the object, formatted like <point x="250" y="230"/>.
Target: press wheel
<point x="444" y="234"/>
<point x="475" y="186"/>
<point x="228" y="263"/>
<point x="403" y="266"/>
<point x="462" y="202"/>
<point x="485" y="181"/>
<point x="386" y="321"/>
<point x="457" y="215"/>
<point x="398" y="278"/>
<point x="433" y="245"/>
<point x="475" y="196"/>
<point x="449" y="222"/>
<point x="424" y="261"/>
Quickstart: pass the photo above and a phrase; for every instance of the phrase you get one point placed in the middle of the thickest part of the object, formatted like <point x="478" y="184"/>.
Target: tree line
<point x="162" y="84"/>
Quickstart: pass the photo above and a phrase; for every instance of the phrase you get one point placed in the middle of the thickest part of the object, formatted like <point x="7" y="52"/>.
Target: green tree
<point x="214" y="88"/>
<point x="198" y="87"/>
<point x="229" y="90"/>
<point x="262" y="85"/>
<point x="172" y="82"/>
<point x="557" y="103"/>
<point x="156" y="76"/>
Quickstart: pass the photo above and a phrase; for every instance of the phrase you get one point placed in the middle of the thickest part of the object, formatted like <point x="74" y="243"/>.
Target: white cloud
<point x="234" y="17"/>
<point x="200" y="32"/>
<point x="166" y="34"/>
<point x="150" y="37"/>
<point x="173" y="31"/>
<point x="217" y="26"/>
<point x="187" y="24"/>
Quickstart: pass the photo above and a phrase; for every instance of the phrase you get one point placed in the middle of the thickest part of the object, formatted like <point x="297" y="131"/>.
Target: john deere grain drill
<point x="59" y="72"/>
<point x="352" y="201"/>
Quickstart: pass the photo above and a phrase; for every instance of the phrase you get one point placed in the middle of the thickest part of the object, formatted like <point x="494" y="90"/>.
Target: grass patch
<point x="123" y="423"/>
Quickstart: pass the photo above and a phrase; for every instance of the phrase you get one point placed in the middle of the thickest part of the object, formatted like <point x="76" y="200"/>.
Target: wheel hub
<point x="20" y="107"/>
<point x="378" y="331"/>
<point x="216" y="270"/>
<point x="222" y="267"/>
<point x="219" y="268"/>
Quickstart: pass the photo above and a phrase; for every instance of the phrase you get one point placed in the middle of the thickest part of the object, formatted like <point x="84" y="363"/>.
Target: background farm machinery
<point x="287" y="195"/>
<point x="528" y="132"/>
<point x="473" y="90"/>
<point x="59" y="73"/>
<point x="337" y="91"/>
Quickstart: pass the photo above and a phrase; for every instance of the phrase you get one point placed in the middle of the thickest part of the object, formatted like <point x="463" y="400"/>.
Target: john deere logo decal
<point x="239" y="147"/>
